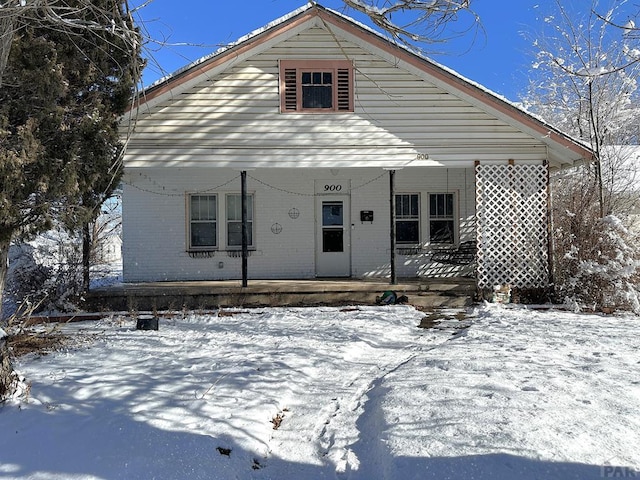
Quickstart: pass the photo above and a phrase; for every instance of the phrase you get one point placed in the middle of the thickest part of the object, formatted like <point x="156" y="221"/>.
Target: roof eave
<point x="568" y="151"/>
<point x="219" y="57"/>
<point x="544" y="132"/>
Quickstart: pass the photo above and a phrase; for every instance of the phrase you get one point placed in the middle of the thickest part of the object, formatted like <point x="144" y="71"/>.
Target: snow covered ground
<point x="354" y="393"/>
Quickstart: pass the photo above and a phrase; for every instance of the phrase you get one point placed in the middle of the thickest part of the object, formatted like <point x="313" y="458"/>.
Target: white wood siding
<point x="155" y="221"/>
<point x="233" y="119"/>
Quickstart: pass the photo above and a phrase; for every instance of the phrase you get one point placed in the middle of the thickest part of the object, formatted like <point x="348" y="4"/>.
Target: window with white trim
<point x="407" y="218"/>
<point x="234" y="220"/>
<point x="316" y="86"/>
<point x="441" y="218"/>
<point x="203" y="222"/>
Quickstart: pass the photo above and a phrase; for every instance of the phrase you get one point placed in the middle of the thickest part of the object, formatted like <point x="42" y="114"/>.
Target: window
<point x="408" y="218"/>
<point x="234" y="220"/>
<point x="317" y="90"/>
<point x="441" y="218"/>
<point x="203" y="228"/>
<point x="316" y="86"/>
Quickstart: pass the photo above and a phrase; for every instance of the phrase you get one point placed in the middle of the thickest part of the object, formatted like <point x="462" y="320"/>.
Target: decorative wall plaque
<point x="294" y="213"/>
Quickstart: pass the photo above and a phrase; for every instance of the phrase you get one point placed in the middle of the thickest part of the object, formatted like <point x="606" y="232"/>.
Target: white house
<point x="320" y="125"/>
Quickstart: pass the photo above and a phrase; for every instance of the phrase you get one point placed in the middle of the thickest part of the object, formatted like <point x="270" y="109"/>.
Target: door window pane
<point x="332" y="240"/>
<point x="332" y="213"/>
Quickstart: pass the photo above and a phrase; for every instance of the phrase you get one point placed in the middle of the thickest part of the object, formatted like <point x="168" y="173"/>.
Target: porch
<point x="421" y="293"/>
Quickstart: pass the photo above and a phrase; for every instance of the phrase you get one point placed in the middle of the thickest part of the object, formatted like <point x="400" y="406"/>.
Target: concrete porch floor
<point x="422" y="293"/>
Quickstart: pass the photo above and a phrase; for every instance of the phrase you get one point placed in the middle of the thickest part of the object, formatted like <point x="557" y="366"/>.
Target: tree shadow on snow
<point x="497" y="466"/>
<point x="377" y="462"/>
<point x="60" y="444"/>
<point x="41" y="442"/>
<point x="126" y="448"/>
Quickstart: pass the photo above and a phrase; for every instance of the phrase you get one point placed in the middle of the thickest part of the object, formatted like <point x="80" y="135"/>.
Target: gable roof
<point x="563" y="150"/>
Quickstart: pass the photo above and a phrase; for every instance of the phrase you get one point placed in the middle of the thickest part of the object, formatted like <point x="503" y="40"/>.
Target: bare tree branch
<point x="631" y="50"/>
<point x="57" y="14"/>
<point x="587" y="86"/>
<point x="417" y="21"/>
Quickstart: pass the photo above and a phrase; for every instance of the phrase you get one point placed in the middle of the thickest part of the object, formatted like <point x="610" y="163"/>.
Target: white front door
<point x="333" y="236"/>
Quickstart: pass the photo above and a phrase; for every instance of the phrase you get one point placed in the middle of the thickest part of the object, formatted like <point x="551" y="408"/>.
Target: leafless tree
<point x="583" y="83"/>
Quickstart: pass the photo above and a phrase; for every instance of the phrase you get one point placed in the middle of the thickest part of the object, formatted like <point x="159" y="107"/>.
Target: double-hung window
<point x="234" y="220"/>
<point x="316" y="86"/>
<point x="408" y="218"/>
<point x="441" y="218"/>
<point x="203" y="222"/>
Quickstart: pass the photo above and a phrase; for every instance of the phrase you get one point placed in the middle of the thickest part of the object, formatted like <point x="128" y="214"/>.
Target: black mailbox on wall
<point x="366" y="216"/>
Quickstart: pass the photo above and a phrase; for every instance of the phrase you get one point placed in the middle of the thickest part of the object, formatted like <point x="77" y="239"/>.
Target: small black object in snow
<point x="147" y="323"/>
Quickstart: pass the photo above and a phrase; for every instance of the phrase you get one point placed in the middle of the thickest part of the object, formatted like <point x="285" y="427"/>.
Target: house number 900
<point x="332" y="188"/>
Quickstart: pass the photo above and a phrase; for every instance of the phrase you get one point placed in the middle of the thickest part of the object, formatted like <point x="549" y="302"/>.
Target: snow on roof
<point x="309" y="6"/>
<point x="412" y="51"/>
<point x="230" y="45"/>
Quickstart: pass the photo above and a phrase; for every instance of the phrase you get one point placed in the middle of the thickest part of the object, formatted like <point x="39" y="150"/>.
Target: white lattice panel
<point x="511" y="222"/>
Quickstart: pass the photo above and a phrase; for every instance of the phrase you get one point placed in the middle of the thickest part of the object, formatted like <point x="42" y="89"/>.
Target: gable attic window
<point x="316" y="86"/>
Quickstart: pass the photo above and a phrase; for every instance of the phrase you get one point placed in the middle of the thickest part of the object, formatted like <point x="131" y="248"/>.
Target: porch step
<point x="454" y="293"/>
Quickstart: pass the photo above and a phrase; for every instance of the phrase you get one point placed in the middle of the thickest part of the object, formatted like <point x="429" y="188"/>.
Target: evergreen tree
<point x="64" y="88"/>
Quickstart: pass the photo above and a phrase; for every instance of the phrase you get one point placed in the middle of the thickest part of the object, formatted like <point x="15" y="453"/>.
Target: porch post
<point x="245" y="231"/>
<point x="392" y="226"/>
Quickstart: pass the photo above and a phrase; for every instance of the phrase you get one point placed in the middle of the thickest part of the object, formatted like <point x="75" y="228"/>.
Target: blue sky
<point x="499" y="58"/>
